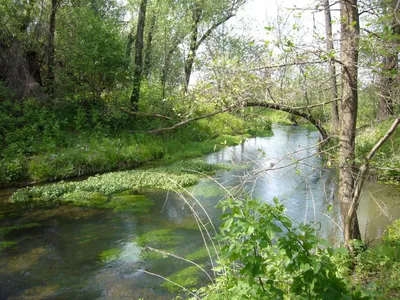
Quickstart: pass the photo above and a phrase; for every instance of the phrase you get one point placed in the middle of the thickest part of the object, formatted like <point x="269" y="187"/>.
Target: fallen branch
<point x="187" y="121"/>
<point x="291" y="110"/>
<point x="138" y="113"/>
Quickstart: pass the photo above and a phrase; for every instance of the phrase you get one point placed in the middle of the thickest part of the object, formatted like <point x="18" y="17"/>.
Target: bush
<point x="265" y="257"/>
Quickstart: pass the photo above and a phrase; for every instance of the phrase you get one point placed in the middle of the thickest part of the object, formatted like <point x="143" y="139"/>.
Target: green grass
<point x="377" y="269"/>
<point x="106" y="154"/>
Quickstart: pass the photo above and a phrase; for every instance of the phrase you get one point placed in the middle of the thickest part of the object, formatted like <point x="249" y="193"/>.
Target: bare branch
<point x="137" y="113"/>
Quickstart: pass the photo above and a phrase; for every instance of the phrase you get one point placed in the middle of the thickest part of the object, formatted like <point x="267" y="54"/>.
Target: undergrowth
<point x="386" y="163"/>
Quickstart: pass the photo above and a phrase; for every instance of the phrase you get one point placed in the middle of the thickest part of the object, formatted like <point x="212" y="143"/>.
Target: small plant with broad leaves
<point x="264" y="256"/>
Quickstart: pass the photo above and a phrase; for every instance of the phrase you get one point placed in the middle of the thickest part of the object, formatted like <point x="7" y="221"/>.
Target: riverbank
<point x="103" y="150"/>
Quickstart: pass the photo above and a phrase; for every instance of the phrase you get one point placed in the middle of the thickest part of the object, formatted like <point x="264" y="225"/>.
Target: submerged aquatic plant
<point x="173" y="177"/>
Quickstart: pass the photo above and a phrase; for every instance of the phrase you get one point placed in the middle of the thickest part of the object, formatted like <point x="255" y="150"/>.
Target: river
<point x="66" y="252"/>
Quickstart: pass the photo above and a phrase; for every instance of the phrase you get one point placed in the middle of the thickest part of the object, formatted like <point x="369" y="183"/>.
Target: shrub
<point x="265" y="257"/>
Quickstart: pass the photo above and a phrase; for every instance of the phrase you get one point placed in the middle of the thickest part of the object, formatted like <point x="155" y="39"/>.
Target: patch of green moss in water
<point x="6" y="230"/>
<point x="110" y="255"/>
<point x="130" y="203"/>
<point x="7" y="244"/>
<point x="160" y="239"/>
<point x="210" y="191"/>
<point x="95" y="189"/>
<point x="189" y="278"/>
<point x="200" y="254"/>
<point x="84" y="198"/>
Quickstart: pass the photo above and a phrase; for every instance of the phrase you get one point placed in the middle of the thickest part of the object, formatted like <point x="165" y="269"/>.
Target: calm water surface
<point x="65" y="252"/>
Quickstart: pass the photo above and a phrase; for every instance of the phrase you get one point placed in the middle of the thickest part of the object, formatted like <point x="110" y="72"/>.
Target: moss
<point x="154" y="255"/>
<point x="84" y="198"/>
<point x="21" y="263"/>
<point x="210" y="191"/>
<point x="198" y="255"/>
<point x="40" y="292"/>
<point x="6" y="230"/>
<point x="161" y="238"/>
<point x="130" y="203"/>
<point x="7" y="244"/>
<point x="87" y="240"/>
<point x="110" y="255"/>
<point x="189" y="278"/>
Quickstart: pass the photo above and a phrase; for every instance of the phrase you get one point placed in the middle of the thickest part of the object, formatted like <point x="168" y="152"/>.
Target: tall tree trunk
<point x="148" y="48"/>
<point x="195" y="42"/>
<point x="348" y="117"/>
<point x="51" y="47"/>
<point x="196" y="17"/>
<point x="137" y="71"/>
<point x="165" y="71"/>
<point x="129" y="44"/>
<point x="387" y="80"/>
<point x="332" y="69"/>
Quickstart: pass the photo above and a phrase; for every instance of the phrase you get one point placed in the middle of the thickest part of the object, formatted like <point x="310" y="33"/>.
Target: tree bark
<point x="387" y="80"/>
<point x="193" y="46"/>
<point x="148" y="48"/>
<point x="137" y="71"/>
<point x="195" y="42"/>
<point x="131" y="39"/>
<point x="332" y="69"/>
<point x="348" y="117"/>
<point x="165" y="72"/>
<point x="51" y="47"/>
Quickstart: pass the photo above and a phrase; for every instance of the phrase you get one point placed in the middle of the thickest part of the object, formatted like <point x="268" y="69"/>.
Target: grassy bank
<point x="43" y="144"/>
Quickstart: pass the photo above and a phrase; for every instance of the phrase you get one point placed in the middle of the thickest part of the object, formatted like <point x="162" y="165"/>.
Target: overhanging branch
<point x="291" y="110"/>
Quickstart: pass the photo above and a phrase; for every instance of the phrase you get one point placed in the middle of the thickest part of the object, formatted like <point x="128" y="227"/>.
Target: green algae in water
<point x="6" y="230"/>
<point x="122" y="202"/>
<point x="210" y="191"/>
<point x="110" y="255"/>
<point x="130" y="203"/>
<point x="200" y="254"/>
<point x="84" y="198"/>
<point x="7" y="244"/>
<point x="189" y="278"/>
<point x="157" y="238"/>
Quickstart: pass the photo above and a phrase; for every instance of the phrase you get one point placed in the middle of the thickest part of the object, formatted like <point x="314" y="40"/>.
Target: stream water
<point x="66" y="252"/>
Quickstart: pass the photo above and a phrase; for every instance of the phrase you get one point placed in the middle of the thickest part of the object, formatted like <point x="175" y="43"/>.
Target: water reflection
<point x="287" y="166"/>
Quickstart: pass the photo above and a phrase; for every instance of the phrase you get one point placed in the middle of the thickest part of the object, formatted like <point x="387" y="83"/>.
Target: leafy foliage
<point x="377" y="269"/>
<point x="265" y="257"/>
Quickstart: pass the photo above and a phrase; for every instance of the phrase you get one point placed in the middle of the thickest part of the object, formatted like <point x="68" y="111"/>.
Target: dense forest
<point x="90" y="87"/>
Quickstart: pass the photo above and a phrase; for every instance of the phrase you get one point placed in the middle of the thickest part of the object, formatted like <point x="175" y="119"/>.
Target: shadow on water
<point x="65" y="252"/>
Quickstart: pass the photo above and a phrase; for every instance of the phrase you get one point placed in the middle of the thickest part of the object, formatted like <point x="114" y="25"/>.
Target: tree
<point x="51" y="47"/>
<point x="200" y="12"/>
<point x="138" y="68"/>
<point x="389" y="61"/>
<point x="332" y="69"/>
<point x="350" y="29"/>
